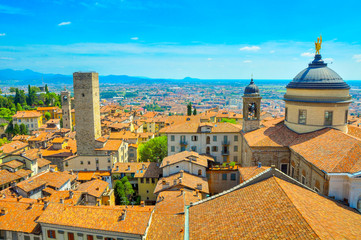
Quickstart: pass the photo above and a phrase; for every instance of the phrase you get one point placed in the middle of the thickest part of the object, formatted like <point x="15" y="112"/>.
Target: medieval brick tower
<point x="66" y="109"/>
<point x="251" y="107"/>
<point x="87" y="111"/>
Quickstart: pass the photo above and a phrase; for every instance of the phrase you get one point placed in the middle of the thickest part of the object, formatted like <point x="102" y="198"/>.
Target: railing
<point x="225" y="142"/>
<point x="225" y="152"/>
<point x="183" y="142"/>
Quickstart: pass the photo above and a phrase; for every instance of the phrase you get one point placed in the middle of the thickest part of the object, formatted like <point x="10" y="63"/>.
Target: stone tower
<point x="87" y="111"/>
<point x="66" y="109"/>
<point x="251" y="107"/>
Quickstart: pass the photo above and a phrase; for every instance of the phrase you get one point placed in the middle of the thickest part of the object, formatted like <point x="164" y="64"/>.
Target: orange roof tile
<point x="187" y="156"/>
<point x="140" y="169"/>
<point x="27" y="114"/>
<point x="95" y="187"/>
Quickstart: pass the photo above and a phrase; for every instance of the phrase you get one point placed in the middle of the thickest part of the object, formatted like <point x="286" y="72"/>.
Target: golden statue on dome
<point x="318" y="44"/>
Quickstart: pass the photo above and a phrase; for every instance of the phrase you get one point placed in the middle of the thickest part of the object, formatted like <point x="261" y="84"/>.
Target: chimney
<point x="197" y="192"/>
<point x="181" y="173"/>
<point x="62" y="200"/>
<point x="128" y="167"/>
<point x="31" y="205"/>
<point x="3" y="211"/>
<point x="71" y="194"/>
<point x="117" y="169"/>
<point x="19" y="198"/>
<point x="175" y="181"/>
<point x="182" y="190"/>
<point x="199" y="186"/>
<point x="123" y="214"/>
<point x="180" y="180"/>
<point x="259" y="164"/>
<point x="142" y="203"/>
<point x="46" y="203"/>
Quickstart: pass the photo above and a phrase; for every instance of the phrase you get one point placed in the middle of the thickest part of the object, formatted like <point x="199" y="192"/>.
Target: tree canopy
<point x="229" y="120"/>
<point x="154" y="150"/>
<point x="123" y="191"/>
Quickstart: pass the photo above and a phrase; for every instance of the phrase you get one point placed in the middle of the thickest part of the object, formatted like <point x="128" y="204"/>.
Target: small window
<point x="303" y="179"/>
<point x="194" y="138"/>
<point x="286" y="113"/>
<point x="96" y="160"/>
<point x="316" y="189"/>
<point x="199" y="172"/>
<point x="147" y="180"/>
<point x="153" y="180"/>
<point x="172" y="138"/>
<point x="108" y="160"/>
<point x="346" y="116"/>
<point x="284" y="168"/>
<point x="328" y="118"/>
<point x="235" y="158"/>
<point x="233" y="177"/>
<point x="292" y="171"/>
<point x="214" y="149"/>
<point x="147" y="191"/>
<point x="302" y="115"/>
<point x="236" y="138"/>
<point x="51" y="234"/>
<point x="172" y="149"/>
<point x="26" y="237"/>
<point x="224" y="158"/>
<point x="235" y="149"/>
<point x="142" y="180"/>
<point x="224" y="176"/>
<point x="214" y="138"/>
<point x="90" y="237"/>
<point x="208" y="140"/>
<point x="88" y="162"/>
<point x="194" y="148"/>
<point x="81" y="162"/>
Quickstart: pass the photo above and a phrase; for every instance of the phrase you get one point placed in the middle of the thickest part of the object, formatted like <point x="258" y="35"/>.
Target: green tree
<point x="23" y="129"/>
<point x="194" y="111"/>
<point x="46" y="88"/>
<point x="47" y="116"/>
<point x="19" y="107"/>
<point x="16" y="130"/>
<point x="61" y="122"/>
<point x="229" y="120"/>
<point x="10" y="129"/>
<point x="12" y="89"/>
<point x="154" y="150"/>
<point x="40" y="102"/>
<point x="19" y="97"/>
<point x="31" y="98"/>
<point x="123" y="191"/>
<point x="189" y="109"/>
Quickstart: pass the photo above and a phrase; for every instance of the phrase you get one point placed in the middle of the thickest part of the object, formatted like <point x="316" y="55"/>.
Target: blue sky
<point x="179" y="38"/>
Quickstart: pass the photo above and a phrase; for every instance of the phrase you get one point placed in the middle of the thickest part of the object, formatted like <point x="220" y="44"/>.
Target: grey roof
<point x="318" y="76"/>
<point x="251" y="88"/>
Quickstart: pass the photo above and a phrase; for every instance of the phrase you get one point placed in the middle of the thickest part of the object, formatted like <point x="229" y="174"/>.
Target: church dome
<point x="318" y="76"/>
<point x="251" y="88"/>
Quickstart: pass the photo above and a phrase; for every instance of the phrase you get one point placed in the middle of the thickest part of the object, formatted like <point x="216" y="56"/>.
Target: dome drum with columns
<point x="317" y="98"/>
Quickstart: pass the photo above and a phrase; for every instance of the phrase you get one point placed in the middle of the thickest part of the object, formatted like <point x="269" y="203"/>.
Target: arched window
<point x="199" y="172"/>
<point x="208" y="140"/>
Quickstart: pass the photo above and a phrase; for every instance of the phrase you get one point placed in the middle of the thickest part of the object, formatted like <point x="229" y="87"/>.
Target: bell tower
<point x="66" y="109"/>
<point x="251" y="107"/>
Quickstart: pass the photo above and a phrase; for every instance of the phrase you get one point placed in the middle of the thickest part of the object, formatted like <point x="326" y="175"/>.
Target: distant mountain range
<point x="24" y="77"/>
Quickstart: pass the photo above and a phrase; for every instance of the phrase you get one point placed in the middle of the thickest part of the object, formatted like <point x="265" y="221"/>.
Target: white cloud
<point x="2" y="34"/>
<point x="272" y="51"/>
<point x="247" y="61"/>
<point x="209" y="59"/>
<point x="307" y="54"/>
<point x="251" y="48"/>
<point x="64" y="23"/>
<point x="328" y="59"/>
<point x="357" y="57"/>
<point x="134" y="38"/>
<point x="6" y="58"/>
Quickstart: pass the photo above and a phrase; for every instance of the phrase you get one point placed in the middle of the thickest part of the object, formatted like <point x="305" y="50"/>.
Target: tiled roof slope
<point x="98" y="217"/>
<point x="94" y="188"/>
<point x="20" y="216"/>
<point x="140" y="169"/>
<point x="187" y="156"/>
<point x="328" y="149"/>
<point x="247" y="173"/>
<point x="168" y="217"/>
<point x="272" y="208"/>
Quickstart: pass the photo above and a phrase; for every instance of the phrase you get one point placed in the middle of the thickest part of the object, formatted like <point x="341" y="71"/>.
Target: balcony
<point x="183" y="143"/>
<point x="225" y="142"/>
<point x="225" y="153"/>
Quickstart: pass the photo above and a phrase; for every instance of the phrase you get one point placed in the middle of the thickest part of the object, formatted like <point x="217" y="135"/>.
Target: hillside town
<point x="90" y="168"/>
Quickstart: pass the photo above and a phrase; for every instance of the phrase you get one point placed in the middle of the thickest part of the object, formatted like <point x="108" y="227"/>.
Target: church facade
<point x="313" y="144"/>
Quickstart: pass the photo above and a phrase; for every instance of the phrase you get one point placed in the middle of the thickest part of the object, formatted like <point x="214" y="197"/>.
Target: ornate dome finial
<point x="318" y="45"/>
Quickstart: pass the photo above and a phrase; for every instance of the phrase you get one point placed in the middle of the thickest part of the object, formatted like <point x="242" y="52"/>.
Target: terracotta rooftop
<point x="111" y="145"/>
<point x="104" y="218"/>
<point x="247" y="173"/>
<point x="94" y="188"/>
<point x="27" y="114"/>
<point x="13" y="147"/>
<point x="13" y="164"/>
<point x="140" y="169"/>
<point x="188" y="156"/>
<point x="272" y="208"/>
<point x="66" y="196"/>
<point x="8" y="177"/>
<point x="20" y="216"/>
<point x="177" y="181"/>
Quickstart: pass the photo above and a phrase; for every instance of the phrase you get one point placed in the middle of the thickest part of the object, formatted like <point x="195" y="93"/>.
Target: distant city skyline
<point x="177" y="39"/>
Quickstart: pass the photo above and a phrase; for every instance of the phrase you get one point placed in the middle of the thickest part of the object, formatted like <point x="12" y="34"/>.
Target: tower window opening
<point x="328" y="118"/>
<point x="302" y="115"/>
